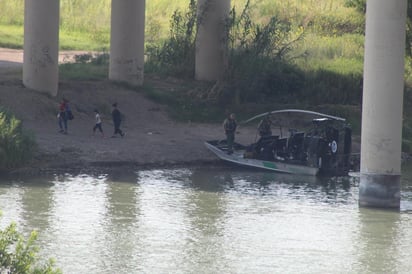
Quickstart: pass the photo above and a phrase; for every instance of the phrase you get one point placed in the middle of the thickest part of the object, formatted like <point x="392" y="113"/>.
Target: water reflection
<point x="316" y="189"/>
<point x="205" y="209"/>
<point x="209" y="221"/>
<point x="36" y="204"/>
<point x="27" y="202"/>
<point x="378" y="241"/>
<point x="10" y="206"/>
<point x="163" y="226"/>
<point x="122" y="203"/>
<point x="76" y="237"/>
<point x="406" y="187"/>
<point x="121" y="225"/>
<point x="204" y="180"/>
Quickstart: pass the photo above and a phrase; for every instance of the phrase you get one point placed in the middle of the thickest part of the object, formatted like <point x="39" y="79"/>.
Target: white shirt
<point x="98" y="120"/>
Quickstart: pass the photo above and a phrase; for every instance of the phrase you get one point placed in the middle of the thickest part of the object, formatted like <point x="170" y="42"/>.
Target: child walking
<point x="98" y="124"/>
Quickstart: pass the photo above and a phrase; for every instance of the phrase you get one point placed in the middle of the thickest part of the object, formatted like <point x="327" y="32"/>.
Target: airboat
<point x="315" y="144"/>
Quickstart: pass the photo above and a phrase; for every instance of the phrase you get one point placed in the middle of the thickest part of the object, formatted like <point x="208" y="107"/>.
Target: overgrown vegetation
<point x="257" y="52"/>
<point x="270" y="63"/>
<point x="16" y="145"/>
<point x="177" y="54"/>
<point x="20" y="256"/>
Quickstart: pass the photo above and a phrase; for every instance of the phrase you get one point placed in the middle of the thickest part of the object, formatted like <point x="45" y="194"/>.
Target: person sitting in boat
<point x="229" y="125"/>
<point x="264" y="127"/>
<point x="265" y="134"/>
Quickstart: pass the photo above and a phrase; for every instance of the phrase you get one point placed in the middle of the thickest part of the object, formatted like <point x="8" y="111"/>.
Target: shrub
<point x="259" y="53"/>
<point x="176" y="56"/>
<point x="19" y="256"/>
<point x="16" y="146"/>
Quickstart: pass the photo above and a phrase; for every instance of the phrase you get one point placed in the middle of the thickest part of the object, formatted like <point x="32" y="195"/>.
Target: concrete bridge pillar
<point x="41" y="45"/>
<point x="382" y="104"/>
<point x="127" y="41"/>
<point x="211" y="40"/>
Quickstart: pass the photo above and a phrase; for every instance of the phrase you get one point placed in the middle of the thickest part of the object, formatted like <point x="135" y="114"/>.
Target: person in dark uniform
<point x="229" y="125"/>
<point x="264" y="127"/>
<point x="117" y="119"/>
<point x="265" y="133"/>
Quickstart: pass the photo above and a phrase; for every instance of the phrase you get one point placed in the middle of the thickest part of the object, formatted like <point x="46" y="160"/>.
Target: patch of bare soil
<point x="152" y="139"/>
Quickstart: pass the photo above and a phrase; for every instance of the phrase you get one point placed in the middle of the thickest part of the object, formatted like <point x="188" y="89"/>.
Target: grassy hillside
<point x="93" y="16"/>
<point x="328" y="60"/>
<point x="333" y="39"/>
<point x="333" y="31"/>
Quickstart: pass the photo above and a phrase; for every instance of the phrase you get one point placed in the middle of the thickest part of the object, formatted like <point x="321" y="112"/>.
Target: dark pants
<point x="117" y="129"/>
<point x="99" y="127"/>
<point x="230" y="139"/>
<point x="63" y="121"/>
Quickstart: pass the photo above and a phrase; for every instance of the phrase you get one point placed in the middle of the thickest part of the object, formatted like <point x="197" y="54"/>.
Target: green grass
<point x="325" y="47"/>
<point x="85" y="25"/>
<point x="83" y="72"/>
<point x="342" y="66"/>
<point x="86" y="67"/>
<point x="12" y="12"/>
<point x="80" y="40"/>
<point x="16" y="145"/>
<point x="11" y="36"/>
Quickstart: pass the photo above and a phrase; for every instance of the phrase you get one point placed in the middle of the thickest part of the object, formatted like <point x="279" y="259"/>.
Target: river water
<point x="201" y="220"/>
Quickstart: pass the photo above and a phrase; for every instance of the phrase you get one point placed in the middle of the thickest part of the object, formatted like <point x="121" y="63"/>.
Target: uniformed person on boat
<point x="229" y="125"/>
<point x="264" y="127"/>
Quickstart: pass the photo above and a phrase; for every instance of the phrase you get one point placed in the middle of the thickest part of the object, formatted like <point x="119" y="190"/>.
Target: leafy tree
<point x="177" y="54"/>
<point x="19" y="256"/>
<point x="359" y="5"/>
<point x="409" y="29"/>
<point x="257" y="54"/>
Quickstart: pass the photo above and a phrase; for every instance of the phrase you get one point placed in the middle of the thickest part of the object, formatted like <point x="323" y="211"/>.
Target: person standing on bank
<point x="98" y="124"/>
<point x="117" y="119"/>
<point x="62" y="116"/>
<point x="229" y="125"/>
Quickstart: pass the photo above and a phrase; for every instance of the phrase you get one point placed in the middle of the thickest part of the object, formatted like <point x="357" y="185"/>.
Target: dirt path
<point x="152" y="138"/>
<point x="13" y="58"/>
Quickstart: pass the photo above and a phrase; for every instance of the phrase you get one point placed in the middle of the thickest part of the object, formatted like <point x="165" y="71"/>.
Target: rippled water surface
<point x="209" y="221"/>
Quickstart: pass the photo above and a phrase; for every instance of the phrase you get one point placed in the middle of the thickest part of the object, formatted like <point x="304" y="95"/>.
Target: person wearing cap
<point x="264" y="127"/>
<point x="117" y="119"/>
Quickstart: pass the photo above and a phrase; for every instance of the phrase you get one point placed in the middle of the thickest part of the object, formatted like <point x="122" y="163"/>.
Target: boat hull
<point x="238" y="157"/>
